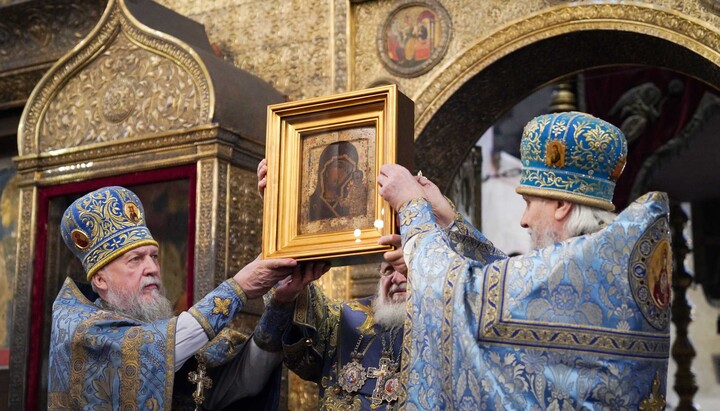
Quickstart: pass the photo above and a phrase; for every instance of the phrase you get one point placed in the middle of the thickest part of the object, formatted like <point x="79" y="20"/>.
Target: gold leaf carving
<point x="204" y="241"/>
<point x="15" y="89"/>
<point x="655" y="21"/>
<point x="38" y="32"/>
<point x="245" y="216"/>
<point x="127" y="91"/>
<point x="294" y="45"/>
<point x="221" y="221"/>
<point x="21" y="310"/>
<point x="123" y="81"/>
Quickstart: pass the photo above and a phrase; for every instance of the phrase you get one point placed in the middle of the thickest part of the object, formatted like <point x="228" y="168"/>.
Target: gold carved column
<point x="127" y="101"/>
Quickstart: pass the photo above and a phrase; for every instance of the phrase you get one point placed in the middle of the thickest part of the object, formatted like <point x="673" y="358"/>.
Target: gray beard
<point x="542" y="238"/>
<point x="388" y="315"/>
<point x="128" y="303"/>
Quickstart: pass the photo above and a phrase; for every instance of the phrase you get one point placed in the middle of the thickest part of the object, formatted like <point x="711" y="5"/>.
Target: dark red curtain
<point x="679" y="96"/>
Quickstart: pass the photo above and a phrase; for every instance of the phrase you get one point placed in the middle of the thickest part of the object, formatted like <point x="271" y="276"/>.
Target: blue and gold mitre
<point x="572" y="156"/>
<point x="104" y="224"/>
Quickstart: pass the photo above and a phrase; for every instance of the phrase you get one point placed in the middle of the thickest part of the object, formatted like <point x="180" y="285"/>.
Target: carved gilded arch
<point x="488" y="78"/>
<point x="142" y="99"/>
<point x="114" y="85"/>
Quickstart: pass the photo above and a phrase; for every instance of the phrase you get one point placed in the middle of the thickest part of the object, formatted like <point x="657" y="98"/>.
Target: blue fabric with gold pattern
<point x="572" y="156"/>
<point x="103" y="360"/>
<point x="100" y="358"/>
<point x="223" y="348"/>
<point x="325" y="337"/>
<point x="581" y="324"/>
<point x="218" y="307"/>
<point x="104" y="224"/>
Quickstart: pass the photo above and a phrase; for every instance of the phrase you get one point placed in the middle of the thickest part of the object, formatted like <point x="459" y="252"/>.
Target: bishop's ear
<point x="563" y="209"/>
<point x="99" y="281"/>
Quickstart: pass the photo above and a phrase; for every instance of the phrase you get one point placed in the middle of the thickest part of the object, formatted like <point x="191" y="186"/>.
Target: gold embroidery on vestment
<point x="130" y="367"/>
<point x="655" y="401"/>
<point x="222" y="306"/>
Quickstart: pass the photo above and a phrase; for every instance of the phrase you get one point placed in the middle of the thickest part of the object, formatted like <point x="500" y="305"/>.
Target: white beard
<point x="542" y="237"/>
<point x="148" y="310"/>
<point x="388" y="315"/>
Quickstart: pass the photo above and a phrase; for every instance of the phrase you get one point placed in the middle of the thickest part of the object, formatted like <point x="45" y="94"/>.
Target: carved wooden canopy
<point x="142" y="74"/>
<point x="141" y="94"/>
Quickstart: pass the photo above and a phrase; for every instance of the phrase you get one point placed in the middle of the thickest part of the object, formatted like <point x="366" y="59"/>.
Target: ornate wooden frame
<point x="383" y="116"/>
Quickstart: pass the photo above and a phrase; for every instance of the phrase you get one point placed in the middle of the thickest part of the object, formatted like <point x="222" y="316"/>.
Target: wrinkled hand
<point x="303" y="274"/>
<point x="262" y="176"/>
<point x="397" y="186"/>
<point x="259" y="276"/>
<point x="394" y="257"/>
<point x="443" y="210"/>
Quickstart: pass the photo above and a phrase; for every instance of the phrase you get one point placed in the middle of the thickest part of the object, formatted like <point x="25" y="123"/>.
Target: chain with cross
<point x="202" y="382"/>
<point x="385" y="387"/>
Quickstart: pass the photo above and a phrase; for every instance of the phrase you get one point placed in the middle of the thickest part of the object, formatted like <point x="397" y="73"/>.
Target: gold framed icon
<point x="324" y="154"/>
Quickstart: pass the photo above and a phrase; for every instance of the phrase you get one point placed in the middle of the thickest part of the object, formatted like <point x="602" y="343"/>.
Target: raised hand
<point x="259" y="276"/>
<point x="397" y="186"/>
<point x="443" y="210"/>
<point x="262" y="176"/>
<point x="394" y="257"/>
<point x="288" y="288"/>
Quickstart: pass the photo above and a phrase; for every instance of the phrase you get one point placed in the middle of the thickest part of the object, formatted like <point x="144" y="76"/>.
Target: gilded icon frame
<point x="323" y="154"/>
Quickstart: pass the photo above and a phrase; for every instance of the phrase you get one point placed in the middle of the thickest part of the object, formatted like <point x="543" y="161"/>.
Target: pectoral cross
<point x="202" y="381"/>
<point x="385" y="371"/>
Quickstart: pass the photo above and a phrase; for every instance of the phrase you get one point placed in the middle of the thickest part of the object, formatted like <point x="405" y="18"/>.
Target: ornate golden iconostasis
<point x="33" y="35"/>
<point x="141" y="102"/>
<point x="557" y="43"/>
<point x="491" y="55"/>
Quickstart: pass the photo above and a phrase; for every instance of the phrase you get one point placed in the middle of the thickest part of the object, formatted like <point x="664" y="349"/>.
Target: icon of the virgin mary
<point x="340" y="189"/>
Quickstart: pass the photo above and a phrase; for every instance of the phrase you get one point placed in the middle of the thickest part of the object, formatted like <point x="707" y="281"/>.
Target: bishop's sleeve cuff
<point x="416" y="217"/>
<point x="273" y="323"/>
<point x="217" y="308"/>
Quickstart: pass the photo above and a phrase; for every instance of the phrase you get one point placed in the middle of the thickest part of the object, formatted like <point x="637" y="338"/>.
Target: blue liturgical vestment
<point x="581" y="324"/>
<point x="324" y="338"/>
<point x="100" y="359"/>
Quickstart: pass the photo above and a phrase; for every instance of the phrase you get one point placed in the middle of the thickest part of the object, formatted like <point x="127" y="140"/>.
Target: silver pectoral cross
<point x="384" y="373"/>
<point x="202" y="381"/>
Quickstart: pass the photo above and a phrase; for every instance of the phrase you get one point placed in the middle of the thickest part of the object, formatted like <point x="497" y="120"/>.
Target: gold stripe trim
<point x="130" y="368"/>
<point x="170" y="363"/>
<point x="457" y="266"/>
<point x="58" y="401"/>
<point x="203" y="322"/>
<point x="551" y="337"/>
<point x="301" y="306"/>
<point x="238" y="290"/>
<point x="565" y="196"/>
<point x="406" y="345"/>
<point x="115" y="254"/>
<point x="70" y="284"/>
<point x="78" y="362"/>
